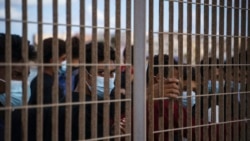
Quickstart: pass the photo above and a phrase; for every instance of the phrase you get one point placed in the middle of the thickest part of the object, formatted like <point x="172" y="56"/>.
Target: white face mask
<point x="63" y="67"/>
<point x="100" y="85"/>
<point x="16" y="93"/>
<point x="185" y="98"/>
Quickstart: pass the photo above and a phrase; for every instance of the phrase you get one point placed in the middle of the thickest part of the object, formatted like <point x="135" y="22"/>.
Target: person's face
<point x="62" y="58"/>
<point x="193" y="85"/>
<point x="16" y="74"/>
<point x="101" y="71"/>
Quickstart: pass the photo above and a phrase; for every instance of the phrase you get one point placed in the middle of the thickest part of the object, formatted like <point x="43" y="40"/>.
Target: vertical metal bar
<point x="205" y="70"/>
<point x="180" y="59"/>
<point x="25" y="71"/>
<point x="197" y="71"/>
<point x="55" y="84"/>
<point x="171" y="62"/>
<point x="128" y="69"/>
<point x="39" y="118"/>
<point x="82" y="72"/>
<point x="228" y="71"/>
<point x="69" y="72"/>
<point x="8" y="70"/>
<point x="118" y="70"/>
<point x="248" y="74"/>
<point x="150" y="90"/>
<point x="221" y="70"/>
<point x="106" y="71"/>
<point x="161" y="69"/>
<point x="139" y="98"/>
<point x="243" y="71"/>
<point x="236" y="71"/>
<point x="189" y="68"/>
<point x="213" y="68"/>
<point x="93" y="70"/>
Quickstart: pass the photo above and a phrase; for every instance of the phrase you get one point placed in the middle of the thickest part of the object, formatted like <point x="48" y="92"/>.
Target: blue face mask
<point x="185" y="98"/>
<point x="63" y="67"/>
<point x="217" y="88"/>
<point x="16" y="93"/>
<point x="232" y="89"/>
<point x="100" y="85"/>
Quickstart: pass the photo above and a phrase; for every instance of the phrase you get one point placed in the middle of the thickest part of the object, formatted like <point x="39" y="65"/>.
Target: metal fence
<point x="206" y="42"/>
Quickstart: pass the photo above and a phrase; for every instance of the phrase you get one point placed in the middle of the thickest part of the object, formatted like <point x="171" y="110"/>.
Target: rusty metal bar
<point x="228" y="72"/>
<point x="248" y="73"/>
<point x="150" y="90"/>
<point x="180" y="61"/>
<point x="171" y="68"/>
<point x="8" y="71"/>
<point x="55" y="83"/>
<point x="68" y="110"/>
<point x="39" y="118"/>
<point x="197" y="72"/>
<point x="189" y="69"/>
<point x="106" y="70"/>
<point x="205" y="70"/>
<point x="161" y="69"/>
<point x="235" y="100"/>
<point x="243" y="71"/>
<point x="82" y="72"/>
<point x="221" y="70"/>
<point x="118" y="70"/>
<point x="25" y="88"/>
<point x="94" y="70"/>
<point x="213" y="69"/>
<point x="139" y="97"/>
<point x="129" y="57"/>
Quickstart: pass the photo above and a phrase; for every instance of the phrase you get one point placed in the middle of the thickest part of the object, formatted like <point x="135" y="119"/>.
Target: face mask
<point x="217" y="88"/>
<point x="63" y="67"/>
<point x="232" y="89"/>
<point x="16" y="93"/>
<point x="185" y="98"/>
<point x="100" y="85"/>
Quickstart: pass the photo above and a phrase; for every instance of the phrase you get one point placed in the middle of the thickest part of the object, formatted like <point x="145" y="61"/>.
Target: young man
<point x="89" y="93"/>
<point x="17" y="73"/>
<point x="171" y="90"/>
<point x="49" y="72"/>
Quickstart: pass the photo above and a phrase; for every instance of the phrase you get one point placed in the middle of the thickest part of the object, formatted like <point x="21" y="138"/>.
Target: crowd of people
<point x="94" y="87"/>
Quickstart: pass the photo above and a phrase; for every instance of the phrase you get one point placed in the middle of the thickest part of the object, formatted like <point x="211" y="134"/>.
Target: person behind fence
<point x="75" y="69"/>
<point x="185" y="87"/>
<point x="88" y="93"/>
<point x="48" y="82"/>
<point x="171" y="90"/>
<point x="48" y="74"/>
<point x="17" y="75"/>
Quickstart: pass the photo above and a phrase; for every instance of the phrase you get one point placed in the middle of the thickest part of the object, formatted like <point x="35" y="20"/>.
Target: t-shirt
<point x="47" y="90"/>
<point x="75" y="122"/>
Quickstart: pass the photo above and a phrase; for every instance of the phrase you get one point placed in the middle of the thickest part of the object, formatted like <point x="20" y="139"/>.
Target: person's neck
<point x="49" y="71"/>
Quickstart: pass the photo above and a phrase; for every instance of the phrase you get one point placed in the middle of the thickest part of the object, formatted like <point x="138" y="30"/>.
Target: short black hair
<point x="156" y="62"/>
<point x="100" y="53"/>
<point x="75" y="47"/>
<point x="16" y="48"/>
<point x="132" y="54"/>
<point x="48" y="49"/>
<point x="209" y="65"/>
<point x="185" y="75"/>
